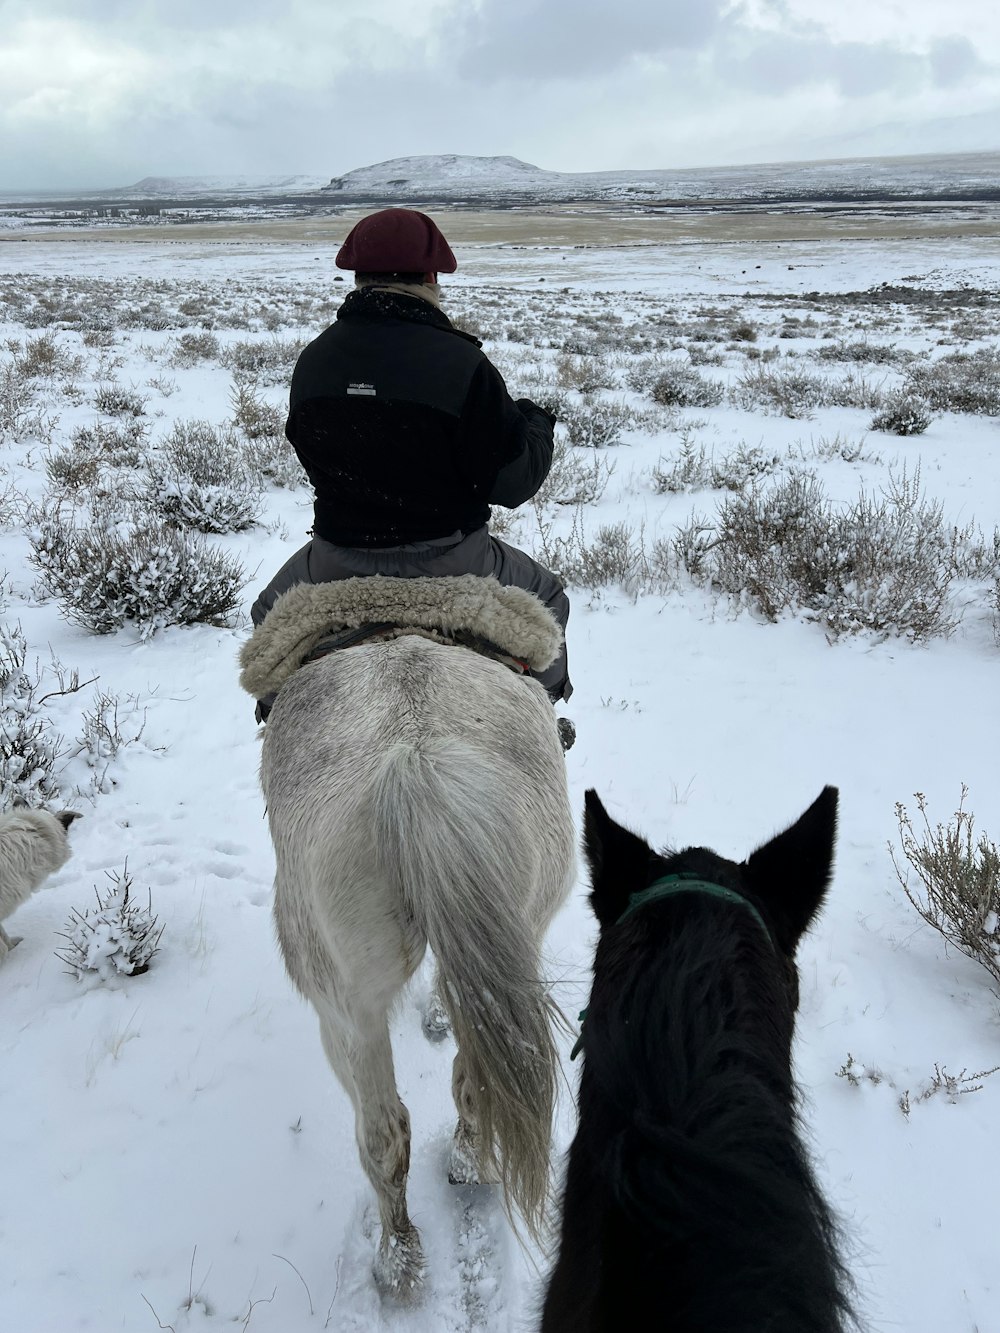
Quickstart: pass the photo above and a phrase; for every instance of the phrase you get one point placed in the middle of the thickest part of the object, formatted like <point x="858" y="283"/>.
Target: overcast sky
<point x="103" y="92"/>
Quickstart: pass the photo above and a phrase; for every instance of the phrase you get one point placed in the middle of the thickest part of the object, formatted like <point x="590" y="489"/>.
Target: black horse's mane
<point x="690" y="1108"/>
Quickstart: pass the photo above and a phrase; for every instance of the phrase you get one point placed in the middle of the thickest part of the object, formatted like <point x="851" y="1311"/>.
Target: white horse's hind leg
<point x="362" y="1062"/>
<point x="466" y="1166"/>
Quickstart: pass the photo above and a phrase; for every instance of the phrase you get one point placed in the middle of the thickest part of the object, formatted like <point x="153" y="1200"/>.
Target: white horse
<point x="416" y="793"/>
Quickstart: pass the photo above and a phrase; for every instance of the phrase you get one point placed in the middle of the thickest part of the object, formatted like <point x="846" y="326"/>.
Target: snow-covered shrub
<point x="693" y="544"/>
<point x="117" y="938"/>
<point x="118" y="444"/>
<point x="696" y="468"/>
<point x="596" y="423"/>
<point x="826" y="448"/>
<point x="782" y="390"/>
<point x="43" y="358"/>
<point x="879" y="354"/>
<point x="680" y="385"/>
<point x="902" y="413"/>
<point x="80" y="464"/>
<point x="587" y="374"/>
<point x="958" y="878"/>
<point x="29" y="745"/>
<point x="885" y="565"/>
<point x="641" y="371"/>
<point x="252" y="415"/>
<point x="272" y="459"/>
<point x="271" y="360"/>
<point x="108" y="726"/>
<point x="615" y="557"/>
<point x="549" y="399"/>
<point x="700" y="355"/>
<point x="961" y="382"/>
<point x="114" y="400"/>
<point x="574" y="479"/>
<point x="191" y="348"/>
<point x="951" y="1086"/>
<point x="199" y="478"/>
<point x="151" y="576"/>
<point x="71" y="469"/>
<point x="854" y="390"/>
<point x="21" y="415"/>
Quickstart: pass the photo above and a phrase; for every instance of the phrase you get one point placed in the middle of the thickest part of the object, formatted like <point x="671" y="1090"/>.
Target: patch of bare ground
<point x="579" y="225"/>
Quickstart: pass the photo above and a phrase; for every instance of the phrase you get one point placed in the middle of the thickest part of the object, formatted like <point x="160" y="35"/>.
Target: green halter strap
<point x="668" y="887"/>
<point x="687" y="882"/>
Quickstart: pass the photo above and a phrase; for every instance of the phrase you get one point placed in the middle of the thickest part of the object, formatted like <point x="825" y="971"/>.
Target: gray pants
<point x="320" y="561"/>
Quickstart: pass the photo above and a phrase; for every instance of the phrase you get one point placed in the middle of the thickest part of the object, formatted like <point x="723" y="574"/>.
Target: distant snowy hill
<point x="500" y="179"/>
<point x="184" y="186"/>
<point x="507" y="181"/>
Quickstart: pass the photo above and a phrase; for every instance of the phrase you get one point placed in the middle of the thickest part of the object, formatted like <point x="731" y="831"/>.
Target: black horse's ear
<point x="619" y="860"/>
<point x="790" y="873"/>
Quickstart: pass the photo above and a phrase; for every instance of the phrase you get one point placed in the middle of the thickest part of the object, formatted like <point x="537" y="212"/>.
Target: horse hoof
<point x="399" y="1268"/>
<point x="435" y="1022"/>
<point x="463" y="1166"/>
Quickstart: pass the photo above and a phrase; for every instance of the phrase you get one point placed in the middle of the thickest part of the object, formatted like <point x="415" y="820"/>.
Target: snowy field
<point x="176" y="1152"/>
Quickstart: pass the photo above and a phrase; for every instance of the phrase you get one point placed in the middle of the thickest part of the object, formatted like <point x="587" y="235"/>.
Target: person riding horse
<point x="408" y="434"/>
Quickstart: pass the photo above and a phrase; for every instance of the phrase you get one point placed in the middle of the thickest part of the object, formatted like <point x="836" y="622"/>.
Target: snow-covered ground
<point x="176" y="1152"/>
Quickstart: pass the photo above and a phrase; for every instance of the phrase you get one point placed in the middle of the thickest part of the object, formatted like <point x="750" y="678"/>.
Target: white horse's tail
<point x="453" y="828"/>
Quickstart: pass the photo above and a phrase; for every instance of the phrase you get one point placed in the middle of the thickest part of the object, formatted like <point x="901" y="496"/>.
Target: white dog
<point x="33" y="845"/>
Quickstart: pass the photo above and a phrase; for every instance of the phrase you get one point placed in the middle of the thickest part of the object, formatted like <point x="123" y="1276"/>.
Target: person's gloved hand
<point x="525" y="404"/>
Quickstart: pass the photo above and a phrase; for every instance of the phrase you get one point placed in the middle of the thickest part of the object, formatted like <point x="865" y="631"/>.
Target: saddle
<point x="508" y="624"/>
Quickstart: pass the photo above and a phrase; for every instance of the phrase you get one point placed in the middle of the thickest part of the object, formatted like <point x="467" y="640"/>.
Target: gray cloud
<point x="953" y="60"/>
<point x="178" y="87"/>
<point x="527" y="39"/>
<point x="779" y="62"/>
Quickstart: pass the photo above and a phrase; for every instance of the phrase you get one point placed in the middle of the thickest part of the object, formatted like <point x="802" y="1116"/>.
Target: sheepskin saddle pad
<point x="512" y="621"/>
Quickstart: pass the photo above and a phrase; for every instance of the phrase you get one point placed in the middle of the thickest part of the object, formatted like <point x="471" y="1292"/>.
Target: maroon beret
<point x="396" y="240"/>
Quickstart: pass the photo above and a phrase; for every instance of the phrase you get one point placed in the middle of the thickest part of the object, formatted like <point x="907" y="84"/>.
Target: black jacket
<point x="406" y="430"/>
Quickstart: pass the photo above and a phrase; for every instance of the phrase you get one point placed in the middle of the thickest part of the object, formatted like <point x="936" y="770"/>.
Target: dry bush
<point x="269" y="360"/>
<point x="586" y="374"/>
<point x="961" y="382"/>
<point x="43" y="358"/>
<point x="696" y="468"/>
<point x="705" y="356"/>
<point x="884" y="564"/>
<point x="192" y="348"/>
<point x="574" y="479"/>
<point x="30" y="747"/>
<point x="642" y="371"/>
<point x="122" y="444"/>
<point x="596" y="423"/>
<point x="854" y="390"/>
<point x="615" y="557"/>
<point x="271" y="458"/>
<point x="253" y="416"/>
<point x="828" y="448"/>
<point x="680" y="385"/>
<point x="781" y="391"/>
<point x="862" y="352"/>
<point x="22" y="416"/>
<point x="93" y="450"/>
<point x="959" y="880"/>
